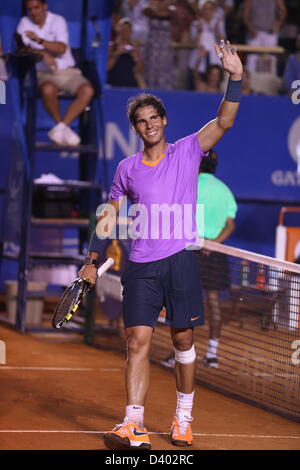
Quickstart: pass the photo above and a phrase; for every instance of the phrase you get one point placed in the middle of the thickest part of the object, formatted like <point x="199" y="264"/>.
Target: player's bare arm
<point x="213" y="131"/>
<point x="282" y="12"/>
<point x="106" y="222"/>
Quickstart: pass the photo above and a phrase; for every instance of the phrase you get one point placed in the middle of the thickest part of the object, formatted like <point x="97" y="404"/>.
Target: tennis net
<point x="252" y="305"/>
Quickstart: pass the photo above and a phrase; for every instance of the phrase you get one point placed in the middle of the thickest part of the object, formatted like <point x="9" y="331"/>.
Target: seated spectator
<point x="133" y="9"/>
<point x="124" y="60"/>
<point x="205" y="32"/>
<point x="292" y="67"/>
<point x="46" y="35"/>
<point x="212" y="83"/>
<point x="3" y="71"/>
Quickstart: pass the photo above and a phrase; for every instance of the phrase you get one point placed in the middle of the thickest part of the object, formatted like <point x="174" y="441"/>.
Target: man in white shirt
<point x="46" y="35"/>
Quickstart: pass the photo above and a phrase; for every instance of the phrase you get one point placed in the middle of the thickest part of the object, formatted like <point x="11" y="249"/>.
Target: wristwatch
<point x="89" y="260"/>
<point x="40" y="41"/>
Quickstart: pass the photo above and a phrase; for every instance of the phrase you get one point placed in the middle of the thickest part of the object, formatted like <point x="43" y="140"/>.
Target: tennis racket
<point x="73" y="295"/>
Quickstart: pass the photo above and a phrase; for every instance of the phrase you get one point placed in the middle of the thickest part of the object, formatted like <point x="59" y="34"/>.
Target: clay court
<point x="58" y="393"/>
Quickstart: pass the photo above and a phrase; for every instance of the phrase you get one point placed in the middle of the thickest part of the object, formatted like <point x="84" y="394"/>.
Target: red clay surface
<point x="67" y="408"/>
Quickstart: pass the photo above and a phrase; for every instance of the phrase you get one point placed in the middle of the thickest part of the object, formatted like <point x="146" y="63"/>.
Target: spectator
<point x="292" y="67"/>
<point x="181" y="24"/>
<point x="124" y="60"/>
<point x="205" y="32"/>
<point x="291" y="26"/>
<point x="46" y="35"/>
<point x="3" y="71"/>
<point x="115" y="18"/>
<point x="226" y="5"/>
<point x="213" y="81"/>
<point x="134" y="9"/>
<point x="263" y="19"/>
<point x="223" y="9"/>
<point x="182" y="21"/>
<point x="159" y="66"/>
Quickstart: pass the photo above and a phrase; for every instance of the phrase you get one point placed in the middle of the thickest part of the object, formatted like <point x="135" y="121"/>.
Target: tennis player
<point x="162" y="271"/>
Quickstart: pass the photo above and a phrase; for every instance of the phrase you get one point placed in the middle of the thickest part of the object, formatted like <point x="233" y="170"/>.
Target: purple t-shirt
<point x="163" y="197"/>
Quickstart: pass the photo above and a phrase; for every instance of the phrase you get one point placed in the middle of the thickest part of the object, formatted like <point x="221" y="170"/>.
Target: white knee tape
<point x="185" y="357"/>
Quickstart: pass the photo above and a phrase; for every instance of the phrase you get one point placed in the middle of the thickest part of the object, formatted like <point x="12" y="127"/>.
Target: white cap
<point x="201" y="3"/>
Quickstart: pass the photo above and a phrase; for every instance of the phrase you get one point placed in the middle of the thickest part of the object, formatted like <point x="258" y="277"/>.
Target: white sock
<point x="184" y="404"/>
<point x="212" y="348"/>
<point x="135" y="413"/>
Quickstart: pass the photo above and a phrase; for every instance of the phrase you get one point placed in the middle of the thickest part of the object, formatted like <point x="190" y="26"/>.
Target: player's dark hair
<point x="209" y="164"/>
<point x="144" y="99"/>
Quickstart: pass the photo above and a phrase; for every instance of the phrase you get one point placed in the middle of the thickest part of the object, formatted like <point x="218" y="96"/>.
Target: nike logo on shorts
<point x="195" y="318"/>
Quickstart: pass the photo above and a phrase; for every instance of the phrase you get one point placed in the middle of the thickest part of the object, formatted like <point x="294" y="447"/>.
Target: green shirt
<point x="218" y="202"/>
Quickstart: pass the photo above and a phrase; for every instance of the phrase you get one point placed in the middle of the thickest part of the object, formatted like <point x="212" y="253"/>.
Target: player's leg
<point x="185" y="357"/>
<point x="184" y="307"/>
<point x="215" y="279"/>
<point x="142" y="302"/>
<point x="215" y="324"/>
<point x="132" y="433"/>
<point x="137" y="367"/>
<point x="183" y="342"/>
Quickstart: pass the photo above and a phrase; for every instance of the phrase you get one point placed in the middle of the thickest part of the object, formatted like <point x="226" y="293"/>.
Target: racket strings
<point x="70" y="301"/>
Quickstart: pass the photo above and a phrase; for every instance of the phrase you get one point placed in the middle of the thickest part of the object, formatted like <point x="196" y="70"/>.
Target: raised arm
<point x="246" y="17"/>
<point x="213" y="131"/>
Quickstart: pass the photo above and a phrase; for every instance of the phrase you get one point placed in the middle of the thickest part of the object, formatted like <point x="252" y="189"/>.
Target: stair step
<point x="51" y="147"/>
<point x="56" y="258"/>
<point x="70" y="184"/>
<point x="63" y="222"/>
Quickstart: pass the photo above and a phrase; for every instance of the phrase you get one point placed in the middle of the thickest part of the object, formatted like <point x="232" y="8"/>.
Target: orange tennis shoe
<point x="127" y="436"/>
<point x="181" y="431"/>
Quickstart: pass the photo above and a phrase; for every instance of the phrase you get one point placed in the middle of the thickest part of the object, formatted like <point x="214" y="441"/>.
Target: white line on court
<point x="81" y="369"/>
<point x="254" y="436"/>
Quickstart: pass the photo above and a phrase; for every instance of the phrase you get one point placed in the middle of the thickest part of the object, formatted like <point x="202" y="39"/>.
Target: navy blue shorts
<point x="173" y="282"/>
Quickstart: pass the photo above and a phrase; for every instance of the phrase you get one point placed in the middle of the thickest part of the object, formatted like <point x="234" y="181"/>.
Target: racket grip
<point x="105" y="266"/>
